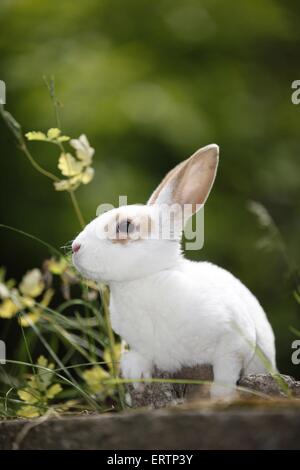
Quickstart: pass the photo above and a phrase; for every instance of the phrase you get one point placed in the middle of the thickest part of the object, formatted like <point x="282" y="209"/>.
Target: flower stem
<point x="16" y="129"/>
<point x="23" y="147"/>
<point x="50" y="84"/>
<point x="77" y="209"/>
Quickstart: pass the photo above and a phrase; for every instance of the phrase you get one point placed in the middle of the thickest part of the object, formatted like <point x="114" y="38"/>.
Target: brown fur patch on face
<point x="123" y="230"/>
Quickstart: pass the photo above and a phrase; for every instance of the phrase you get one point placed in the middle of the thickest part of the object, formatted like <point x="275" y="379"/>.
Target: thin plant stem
<point x="16" y="129"/>
<point x="26" y="344"/>
<point x="183" y="382"/>
<point x="77" y="209"/>
<point x="105" y="302"/>
<point x="55" y="101"/>
<point x="51" y="248"/>
<point x="50" y="84"/>
<point x="23" y="147"/>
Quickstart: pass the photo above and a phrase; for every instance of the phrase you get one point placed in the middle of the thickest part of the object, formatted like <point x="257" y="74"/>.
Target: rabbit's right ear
<point x="189" y="182"/>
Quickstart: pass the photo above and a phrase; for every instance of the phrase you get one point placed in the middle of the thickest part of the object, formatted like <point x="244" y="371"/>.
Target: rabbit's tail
<point x="261" y="363"/>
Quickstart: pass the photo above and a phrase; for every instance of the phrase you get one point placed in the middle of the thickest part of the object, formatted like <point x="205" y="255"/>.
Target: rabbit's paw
<point x="135" y="366"/>
<point x="227" y="370"/>
<point x="221" y="392"/>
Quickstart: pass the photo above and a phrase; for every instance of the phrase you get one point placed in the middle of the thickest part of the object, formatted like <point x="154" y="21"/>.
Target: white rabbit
<point x="171" y="311"/>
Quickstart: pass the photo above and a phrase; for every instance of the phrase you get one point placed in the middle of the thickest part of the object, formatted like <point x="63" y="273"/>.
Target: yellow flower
<point x="36" y="135"/>
<point x="28" y="319"/>
<point x="8" y="309"/>
<point x="6" y="287"/>
<point x="43" y="362"/>
<point x="28" y="411"/>
<point x="29" y="395"/>
<point x="94" y="378"/>
<point x="4" y="291"/>
<point x="87" y="175"/>
<point x="53" y="135"/>
<point x="32" y="284"/>
<point x="68" y="165"/>
<point x="72" y="183"/>
<point x="77" y="170"/>
<point x="67" y="185"/>
<point x="57" y="266"/>
<point x="39" y="390"/>
<point x="109" y="357"/>
<point x="62" y="185"/>
<point x="84" y="151"/>
<point x="54" y="390"/>
<point x="33" y="316"/>
<point x="63" y="138"/>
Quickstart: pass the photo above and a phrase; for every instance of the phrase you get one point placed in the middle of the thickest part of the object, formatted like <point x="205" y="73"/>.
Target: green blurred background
<point x="149" y="82"/>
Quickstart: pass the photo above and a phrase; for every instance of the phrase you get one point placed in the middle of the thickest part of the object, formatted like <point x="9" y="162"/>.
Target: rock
<point x="199" y="427"/>
<point x="272" y="423"/>
<point x="195" y="423"/>
<point x="159" y="395"/>
<point x="268" y="385"/>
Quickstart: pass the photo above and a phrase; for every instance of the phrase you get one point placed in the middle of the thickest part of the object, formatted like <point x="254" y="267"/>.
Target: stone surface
<point x="161" y="395"/>
<point x="202" y="427"/>
<point x="266" y="384"/>
<point x="196" y="423"/>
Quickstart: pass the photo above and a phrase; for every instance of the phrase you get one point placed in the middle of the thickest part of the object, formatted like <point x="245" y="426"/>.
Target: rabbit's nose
<point x="76" y="247"/>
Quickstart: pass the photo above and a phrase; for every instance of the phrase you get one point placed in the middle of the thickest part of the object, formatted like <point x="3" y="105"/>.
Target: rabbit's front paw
<point x="135" y="366"/>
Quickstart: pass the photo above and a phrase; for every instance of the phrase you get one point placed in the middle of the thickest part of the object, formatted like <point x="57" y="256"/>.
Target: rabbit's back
<point x="233" y="293"/>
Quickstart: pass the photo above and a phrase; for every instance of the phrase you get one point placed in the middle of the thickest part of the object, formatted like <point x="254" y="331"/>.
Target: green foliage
<point x="31" y="300"/>
<point x="66" y="326"/>
<point x="39" y="391"/>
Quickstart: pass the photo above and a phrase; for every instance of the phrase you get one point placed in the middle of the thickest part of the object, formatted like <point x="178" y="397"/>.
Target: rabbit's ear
<point x="189" y="182"/>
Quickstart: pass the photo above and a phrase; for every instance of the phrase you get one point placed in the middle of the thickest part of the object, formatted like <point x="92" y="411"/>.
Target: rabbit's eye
<point x="125" y="227"/>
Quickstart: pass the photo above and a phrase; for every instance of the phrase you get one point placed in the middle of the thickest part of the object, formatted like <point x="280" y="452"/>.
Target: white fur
<point x="173" y="312"/>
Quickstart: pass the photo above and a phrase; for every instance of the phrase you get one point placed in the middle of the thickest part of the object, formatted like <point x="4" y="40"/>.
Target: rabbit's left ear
<point x="189" y="182"/>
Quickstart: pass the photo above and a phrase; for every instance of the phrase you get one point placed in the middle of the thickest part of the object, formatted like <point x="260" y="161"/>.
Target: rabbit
<point x="173" y="312"/>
